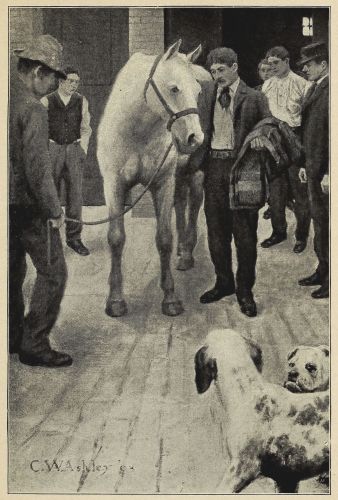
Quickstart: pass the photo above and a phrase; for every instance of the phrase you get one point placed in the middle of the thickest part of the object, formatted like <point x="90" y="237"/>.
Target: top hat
<point x="45" y="49"/>
<point x="312" y="51"/>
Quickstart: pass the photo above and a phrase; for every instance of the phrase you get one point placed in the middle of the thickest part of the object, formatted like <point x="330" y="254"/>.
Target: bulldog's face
<point x="308" y="369"/>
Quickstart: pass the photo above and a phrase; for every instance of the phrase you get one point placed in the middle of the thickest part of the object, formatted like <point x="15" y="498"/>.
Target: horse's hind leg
<point x="195" y="203"/>
<point x="163" y="197"/>
<point x="195" y="199"/>
<point x="116" y="305"/>
<point x="180" y="205"/>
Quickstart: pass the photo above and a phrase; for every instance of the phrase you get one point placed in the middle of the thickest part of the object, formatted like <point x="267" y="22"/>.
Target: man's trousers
<point x="280" y="189"/>
<point x="319" y="204"/>
<point x="222" y="223"/>
<point x="68" y="163"/>
<point x="28" y="235"/>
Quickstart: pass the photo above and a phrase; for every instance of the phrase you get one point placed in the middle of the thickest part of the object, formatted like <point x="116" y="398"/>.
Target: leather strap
<point x="173" y="116"/>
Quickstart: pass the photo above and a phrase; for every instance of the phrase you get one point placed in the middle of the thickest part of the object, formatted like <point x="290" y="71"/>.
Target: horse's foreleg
<point x="116" y="305"/>
<point x="163" y="197"/>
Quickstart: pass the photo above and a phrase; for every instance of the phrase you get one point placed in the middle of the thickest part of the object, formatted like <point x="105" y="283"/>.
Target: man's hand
<point x="57" y="223"/>
<point x="257" y="144"/>
<point x="302" y="175"/>
<point x="325" y="184"/>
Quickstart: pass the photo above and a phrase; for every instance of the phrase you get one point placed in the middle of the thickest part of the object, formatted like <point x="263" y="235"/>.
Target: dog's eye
<point x="175" y="89"/>
<point x="310" y="367"/>
<point x="291" y="365"/>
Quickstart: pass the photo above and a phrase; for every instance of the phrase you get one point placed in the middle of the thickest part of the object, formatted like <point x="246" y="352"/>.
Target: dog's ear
<point x="205" y="370"/>
<point x="292" y="353"/>
<point x="255" y="353"/>
<point x="325" y="349"/>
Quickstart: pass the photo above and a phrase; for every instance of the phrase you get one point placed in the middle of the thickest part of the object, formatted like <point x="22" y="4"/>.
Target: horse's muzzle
<point x="193" y="142"/>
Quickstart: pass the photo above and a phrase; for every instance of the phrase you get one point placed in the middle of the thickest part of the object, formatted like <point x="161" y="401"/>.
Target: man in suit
<point x="315" y="137"/>
<point x="33" y="200"/>
<point x="229" y="109"/>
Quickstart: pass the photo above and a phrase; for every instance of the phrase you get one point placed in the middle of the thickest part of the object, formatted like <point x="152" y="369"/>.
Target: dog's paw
<point x="292" y="386"/>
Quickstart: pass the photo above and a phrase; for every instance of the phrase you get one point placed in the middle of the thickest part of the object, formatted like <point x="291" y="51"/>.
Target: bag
<point x="247" y="182"/>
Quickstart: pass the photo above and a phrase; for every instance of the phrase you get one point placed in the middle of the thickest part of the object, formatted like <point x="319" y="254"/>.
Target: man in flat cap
<point x="33" y="201"/>
<point x="315" y="137"/>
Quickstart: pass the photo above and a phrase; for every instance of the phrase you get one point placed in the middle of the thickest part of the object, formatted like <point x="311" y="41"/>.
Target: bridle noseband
<point x="173" y="116"/>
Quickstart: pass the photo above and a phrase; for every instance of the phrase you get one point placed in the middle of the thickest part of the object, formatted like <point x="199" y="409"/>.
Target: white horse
<point x="153" y="102"/>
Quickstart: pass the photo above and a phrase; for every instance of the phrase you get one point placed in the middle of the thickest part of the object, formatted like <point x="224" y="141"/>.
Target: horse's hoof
<point x="185" y="263"/>
<point x="172" y="308"/>
<point x="116" y="308"/>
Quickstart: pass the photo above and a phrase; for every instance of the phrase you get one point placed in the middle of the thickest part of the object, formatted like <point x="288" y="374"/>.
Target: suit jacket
<point x="31" y="179"/>
<point x="250" y="106"/>
<point x="315" y="130"/>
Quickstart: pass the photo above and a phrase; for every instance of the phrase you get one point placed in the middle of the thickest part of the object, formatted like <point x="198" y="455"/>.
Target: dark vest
<point x="64" y="121"/>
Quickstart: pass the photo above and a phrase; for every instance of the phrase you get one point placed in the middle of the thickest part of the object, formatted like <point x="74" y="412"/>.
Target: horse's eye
<point x="310" y="367"/>
<point x="175" y="90"/>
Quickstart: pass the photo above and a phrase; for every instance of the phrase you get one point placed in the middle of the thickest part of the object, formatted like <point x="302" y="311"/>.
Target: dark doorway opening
<point x="252" y="31"/>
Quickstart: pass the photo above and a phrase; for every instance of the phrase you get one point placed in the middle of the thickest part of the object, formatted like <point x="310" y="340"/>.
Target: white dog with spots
<point x="308" y="369"/>
<point x="267" y="429"/>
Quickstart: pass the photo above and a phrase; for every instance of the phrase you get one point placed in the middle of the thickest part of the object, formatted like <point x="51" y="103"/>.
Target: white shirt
<point x="285" y="97"/>
<point x="85" y="129"/>
<point x="223" y="133"/>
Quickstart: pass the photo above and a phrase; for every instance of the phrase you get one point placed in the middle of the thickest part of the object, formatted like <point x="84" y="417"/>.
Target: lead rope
<point x="107" y="219"/>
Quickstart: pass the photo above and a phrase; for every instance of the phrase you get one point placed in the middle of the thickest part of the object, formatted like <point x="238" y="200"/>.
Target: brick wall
<point x="146" y="31"/>
<point x="24" y="24"/>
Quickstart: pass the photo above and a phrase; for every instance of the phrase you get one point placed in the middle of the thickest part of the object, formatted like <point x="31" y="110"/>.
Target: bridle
<point x="172" y="114"/>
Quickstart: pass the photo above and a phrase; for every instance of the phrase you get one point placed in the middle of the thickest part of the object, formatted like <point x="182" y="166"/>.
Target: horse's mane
<point x="200" y="73"/>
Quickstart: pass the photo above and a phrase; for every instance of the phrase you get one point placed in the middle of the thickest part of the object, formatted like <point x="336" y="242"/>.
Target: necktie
<point x="224" y="97"/>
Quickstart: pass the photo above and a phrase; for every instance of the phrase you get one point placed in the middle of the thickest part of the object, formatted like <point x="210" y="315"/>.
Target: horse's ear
<point x="325" y="349"/>
<point x="194" y="55"/>
<point x="173" y="50"/>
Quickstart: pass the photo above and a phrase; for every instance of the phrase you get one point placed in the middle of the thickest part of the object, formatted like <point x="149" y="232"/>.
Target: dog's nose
<point x="292" y="375"/>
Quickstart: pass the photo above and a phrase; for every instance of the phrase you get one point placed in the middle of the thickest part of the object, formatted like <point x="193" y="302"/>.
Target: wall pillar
<point x="146" y="30"/>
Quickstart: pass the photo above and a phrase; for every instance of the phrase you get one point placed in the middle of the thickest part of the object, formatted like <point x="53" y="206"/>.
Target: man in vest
<point x="69" y="134"/>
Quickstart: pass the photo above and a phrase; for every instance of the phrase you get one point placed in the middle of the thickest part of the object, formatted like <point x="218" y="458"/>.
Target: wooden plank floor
<point x="126" y="418"/>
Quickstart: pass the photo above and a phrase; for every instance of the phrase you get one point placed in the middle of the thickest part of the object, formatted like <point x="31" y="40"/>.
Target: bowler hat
<point x="45" y="49"/>
<point x="312" y="51"/>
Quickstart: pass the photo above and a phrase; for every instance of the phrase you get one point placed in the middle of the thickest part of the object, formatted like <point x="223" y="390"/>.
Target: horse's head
<point x="176" y="90"/>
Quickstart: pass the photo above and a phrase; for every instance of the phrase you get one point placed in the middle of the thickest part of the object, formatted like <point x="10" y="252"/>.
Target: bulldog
<point x="308" y="369"/>
<point x="267" y="429"/>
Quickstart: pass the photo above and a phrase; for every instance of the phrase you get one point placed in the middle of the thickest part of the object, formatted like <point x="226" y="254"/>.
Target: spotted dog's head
<point x="206" y="365"/>
<point x="308" y="369"/>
